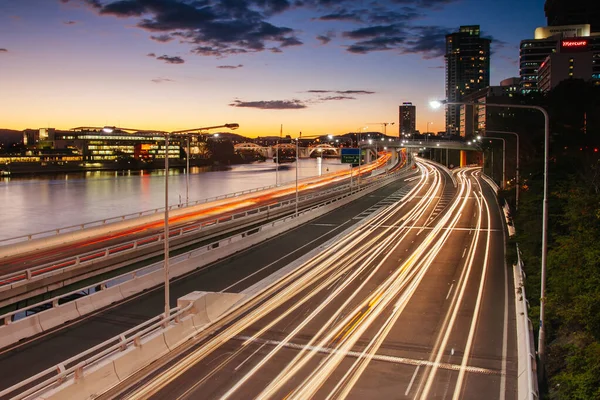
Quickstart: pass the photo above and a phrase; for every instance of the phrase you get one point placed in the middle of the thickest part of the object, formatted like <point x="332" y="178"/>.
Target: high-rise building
<point x="467" y="69"/>
<point x="571" y="12"/>
<point x="408" y="119"/>
<point x="573" y="60"/>
<point x="547" y="40"/>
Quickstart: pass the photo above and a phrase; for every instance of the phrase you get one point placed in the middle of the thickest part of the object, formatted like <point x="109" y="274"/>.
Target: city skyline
<point x="316" y="68"/>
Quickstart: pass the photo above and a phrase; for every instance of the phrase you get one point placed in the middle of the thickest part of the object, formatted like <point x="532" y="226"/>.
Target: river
<point x="45" y="202"/>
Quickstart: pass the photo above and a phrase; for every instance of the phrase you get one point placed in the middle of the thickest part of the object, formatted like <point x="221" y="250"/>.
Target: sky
<point x="311" y="66"/>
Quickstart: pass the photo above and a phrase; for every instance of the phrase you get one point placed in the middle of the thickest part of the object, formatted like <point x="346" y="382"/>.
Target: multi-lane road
<point x="54" y="253"/>
<point x="234" y="273"/>
<point x="416" y="302"/>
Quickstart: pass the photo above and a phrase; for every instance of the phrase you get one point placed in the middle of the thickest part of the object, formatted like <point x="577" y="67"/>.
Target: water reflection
<point x="36" y="203"/>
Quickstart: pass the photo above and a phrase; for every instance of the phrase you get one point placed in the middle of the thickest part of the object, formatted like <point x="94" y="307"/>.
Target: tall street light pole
<point x="297" y="161"/>
<point x="166" y="221"/>
<point x="166" y="135"/>
<point x="517" y="188"/>
<point x="542" y="331"/>
<point x="503" y="157"/>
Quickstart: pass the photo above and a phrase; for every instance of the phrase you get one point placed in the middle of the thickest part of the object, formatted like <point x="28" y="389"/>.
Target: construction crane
<point x="384" y="124"/>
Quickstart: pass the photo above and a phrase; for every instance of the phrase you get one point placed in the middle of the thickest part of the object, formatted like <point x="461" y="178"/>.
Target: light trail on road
<point x="345" y="303"/>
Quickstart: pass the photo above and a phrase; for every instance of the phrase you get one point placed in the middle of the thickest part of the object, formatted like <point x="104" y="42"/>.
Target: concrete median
<point x="84" y="305"/>
<point x="21" y="329"/>
<point x="93" y="382"/>
<point x="58" y="315"/>
<point x="137" y="285"/>
<point x="178" y="333"/>
<point x="208" y="306"/>
<point x="106" y="297"/>
<point x="137" y="357"/>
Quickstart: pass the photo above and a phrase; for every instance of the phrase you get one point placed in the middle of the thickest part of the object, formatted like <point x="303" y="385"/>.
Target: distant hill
<point x="8" y="136"/>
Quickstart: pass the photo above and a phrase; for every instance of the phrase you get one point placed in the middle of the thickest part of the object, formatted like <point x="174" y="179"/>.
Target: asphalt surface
<point x="29" y="357"/>
<point x="417" y="303"/>
<point x="55" y="257"/>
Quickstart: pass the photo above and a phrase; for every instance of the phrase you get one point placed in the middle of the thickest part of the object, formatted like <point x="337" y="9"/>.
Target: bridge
<point x="385" y="279"/>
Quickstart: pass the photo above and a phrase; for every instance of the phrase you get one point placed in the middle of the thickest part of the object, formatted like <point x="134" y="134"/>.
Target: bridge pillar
<point x="368" y="157"/>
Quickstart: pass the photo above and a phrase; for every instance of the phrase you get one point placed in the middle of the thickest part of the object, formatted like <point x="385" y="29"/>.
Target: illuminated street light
<point x="435" y="104"/>
<point x="166" y="135"/>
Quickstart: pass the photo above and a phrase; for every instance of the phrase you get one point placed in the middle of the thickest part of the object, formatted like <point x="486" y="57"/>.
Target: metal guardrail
<point x="74" y="365"/>
<point x="132" y="246"/>
<point x="111" y="282"/>
<point x="101" y="222"/>
<point x="528" y="384"/>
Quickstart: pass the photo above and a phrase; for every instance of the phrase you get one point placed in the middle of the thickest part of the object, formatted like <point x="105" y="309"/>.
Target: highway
<point x="19" y="257"/>
<point x="233" y="274"/>
<point x="416" y="302"/>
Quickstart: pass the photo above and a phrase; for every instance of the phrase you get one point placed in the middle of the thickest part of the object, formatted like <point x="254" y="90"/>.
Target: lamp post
<point x="542" y="332"/>
<point x="166" y="135"/>
<point x="517" y="188"/>
<point x="503" y="158"/>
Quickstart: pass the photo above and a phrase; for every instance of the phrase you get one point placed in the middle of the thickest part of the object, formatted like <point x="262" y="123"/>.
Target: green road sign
<point x="350" y="158"/>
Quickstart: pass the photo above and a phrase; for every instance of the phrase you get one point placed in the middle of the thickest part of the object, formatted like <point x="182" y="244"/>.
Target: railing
<point x="111" y="282"/>
<point x="101" y="222"/>
<point x="134" y="245"/>
<point x="74" y="365"/>
<point x="527" y="375"/>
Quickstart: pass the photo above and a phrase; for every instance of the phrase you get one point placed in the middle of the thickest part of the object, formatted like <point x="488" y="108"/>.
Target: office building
<point x="408" y="119"/>
<point x="573" y="60"/>
<point x="467" y="69"/>
<point x="570" y="12"/>
<point x="98" y="146"/>
<point x="547" y="40"/>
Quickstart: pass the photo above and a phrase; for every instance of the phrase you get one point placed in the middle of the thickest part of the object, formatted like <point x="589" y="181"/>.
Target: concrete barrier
<point x="180" y="332"/>
<point x="106" y="297"/>
<point x="84" y="305"/>
<point x="137" y="357"/>
<point x="58" y="315"/>
<point x="18" y="330"/>
<point x="208" y="306"/>
<point x="93" y="382"/>
<point x="136" y="285"/>
<point x="196" y="259"/>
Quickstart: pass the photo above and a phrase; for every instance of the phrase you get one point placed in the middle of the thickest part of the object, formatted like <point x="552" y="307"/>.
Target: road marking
<point x="327" y="225"/>
<point x="376" y="357"/>
<point x="464" y="251"/>
<point x="412" y="381"/>
<point x="448" y="295"/>
<point x="249" y="357"/>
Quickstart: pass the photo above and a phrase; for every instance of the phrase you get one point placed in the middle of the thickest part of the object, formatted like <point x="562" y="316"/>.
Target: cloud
<point x="294" y="104"/>
<point x="69" y="22"/>
<point x="213" y="28"/>
<point x="221" y="28"/>
<point x="329" y="98"/>
<point x="161" y="38"/>
<point x="151" y="55"/>
<point x="171" y="60"/>
<point x="162" y="80"/>
<point x="343" y="15"/>
<point x="3" y="50"/>
<point x="342" y="92"/>
<point x="326" y="38"/>
<point x="429" y="41"/>
<point x="437" y="67"/>
<point x="230" y="66"/>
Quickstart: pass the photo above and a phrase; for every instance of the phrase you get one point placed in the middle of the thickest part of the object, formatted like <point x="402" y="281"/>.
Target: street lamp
<point x="542" y="332"/>
<point x="503" y="158"/>
<point x="517" y="189"/>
